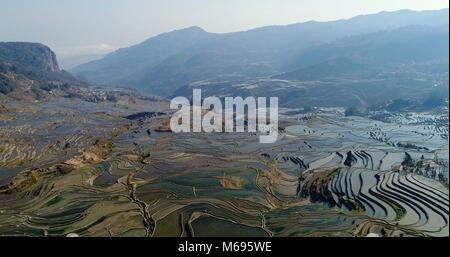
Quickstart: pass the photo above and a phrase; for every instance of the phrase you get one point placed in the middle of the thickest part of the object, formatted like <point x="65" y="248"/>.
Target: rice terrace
<point x="339" y="127"/>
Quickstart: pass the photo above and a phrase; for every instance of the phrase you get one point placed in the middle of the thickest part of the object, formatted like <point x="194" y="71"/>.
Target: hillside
<point x="164" y="63"/>
<point x="372" y="69"/>
<point x="31" y="71"/>
<point x="414" y="48"/>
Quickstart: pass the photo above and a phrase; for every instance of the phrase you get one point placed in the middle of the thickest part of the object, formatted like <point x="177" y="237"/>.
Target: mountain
<point x="165" y="63"/>
<point x="415" y="47"/>
<point x="30" y="70"/>
<point x="364" y="70"/>
<point x="123" y="65"/>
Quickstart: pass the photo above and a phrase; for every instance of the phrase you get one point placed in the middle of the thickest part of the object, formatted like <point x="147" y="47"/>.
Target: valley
<point x="360" y="107"/>
<point x="110" y="173"/>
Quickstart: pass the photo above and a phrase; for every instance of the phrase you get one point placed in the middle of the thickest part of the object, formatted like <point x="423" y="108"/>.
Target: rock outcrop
<point x="30" y="70"/>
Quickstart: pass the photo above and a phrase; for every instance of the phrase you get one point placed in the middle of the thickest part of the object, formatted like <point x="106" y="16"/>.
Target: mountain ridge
<point x="162" y="64"/>
<point x="363" y="70"/>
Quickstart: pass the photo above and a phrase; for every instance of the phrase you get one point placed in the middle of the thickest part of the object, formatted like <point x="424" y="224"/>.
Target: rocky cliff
<point x="30" y="70"/>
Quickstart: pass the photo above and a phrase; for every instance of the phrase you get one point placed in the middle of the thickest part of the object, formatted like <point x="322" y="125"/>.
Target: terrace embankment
<point x="116" y="169"/>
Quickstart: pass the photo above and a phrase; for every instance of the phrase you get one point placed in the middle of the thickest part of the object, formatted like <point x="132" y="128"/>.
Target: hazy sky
<point x="79" y="27"/>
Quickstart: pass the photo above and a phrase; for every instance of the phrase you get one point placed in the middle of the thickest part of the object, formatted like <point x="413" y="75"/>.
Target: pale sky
<point x="84" y="27"/>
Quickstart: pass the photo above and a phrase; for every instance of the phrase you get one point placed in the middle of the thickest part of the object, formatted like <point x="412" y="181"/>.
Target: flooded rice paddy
<point x="91" y="169"/>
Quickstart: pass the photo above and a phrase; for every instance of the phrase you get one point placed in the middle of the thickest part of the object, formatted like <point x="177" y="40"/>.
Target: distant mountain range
<point x="357" y="48"/>
<point x="418" y="47"/>
<point x="365" y="61"/>
<point x="372" y="69"/>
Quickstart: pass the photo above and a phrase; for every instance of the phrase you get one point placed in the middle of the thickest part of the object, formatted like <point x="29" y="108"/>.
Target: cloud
<point x="84" y="50"/>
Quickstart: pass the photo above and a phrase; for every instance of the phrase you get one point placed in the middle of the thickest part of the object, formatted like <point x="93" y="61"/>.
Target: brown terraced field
<point x="68" y="166"/>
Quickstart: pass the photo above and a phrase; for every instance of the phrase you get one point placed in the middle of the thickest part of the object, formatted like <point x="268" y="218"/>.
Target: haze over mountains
<point x="363" y="46"/>
<point x="367" y="60"/>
